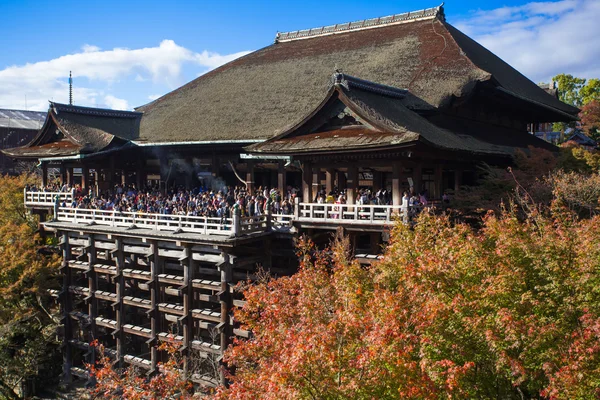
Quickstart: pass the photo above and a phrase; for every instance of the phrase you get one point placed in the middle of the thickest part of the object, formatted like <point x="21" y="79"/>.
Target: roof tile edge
<point x="103" y="112"/>
<point x="428" y="13"/>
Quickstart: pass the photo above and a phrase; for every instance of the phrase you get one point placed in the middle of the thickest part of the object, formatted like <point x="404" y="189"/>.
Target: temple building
<point x="402" y="104"/>
<point x="17" y="128"/>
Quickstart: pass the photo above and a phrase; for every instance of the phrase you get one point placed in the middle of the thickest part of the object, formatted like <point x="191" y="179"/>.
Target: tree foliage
<point x="28" y="346"/>
<point x="590" y="119"/>
<point x="132" y="384"/>
<point x="508" y="311"/>
<point x="577" y="91"/>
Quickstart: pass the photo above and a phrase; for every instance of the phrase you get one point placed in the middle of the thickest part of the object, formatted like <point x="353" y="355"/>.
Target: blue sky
<point x="124" y="54"/>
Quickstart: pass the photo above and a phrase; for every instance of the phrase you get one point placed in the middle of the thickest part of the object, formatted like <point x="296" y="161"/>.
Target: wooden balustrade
<point x="46" y="199"/>
<point x="343" y="214"/>
<point x="351" y="213"/>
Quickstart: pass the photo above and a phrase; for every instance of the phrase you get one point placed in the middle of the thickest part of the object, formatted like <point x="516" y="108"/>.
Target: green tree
<point x="569" y="89"/>
<point x="577" y="92"/>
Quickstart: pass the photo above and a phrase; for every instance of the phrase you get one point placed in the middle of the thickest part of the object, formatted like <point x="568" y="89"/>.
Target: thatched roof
<point x="73" y="130"/>
<point x="265" y="92"/>
<point x="368" y="117"/>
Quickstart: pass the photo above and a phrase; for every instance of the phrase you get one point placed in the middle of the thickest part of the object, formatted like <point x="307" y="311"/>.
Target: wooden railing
<point x="157" y="222"/>
<point x="46" y="199"/>
<point x="351" y="213"/>
<point x="282" y="222"/>
<point x="342" y="214"/>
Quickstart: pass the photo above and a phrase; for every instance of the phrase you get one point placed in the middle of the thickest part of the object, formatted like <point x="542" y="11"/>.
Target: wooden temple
<point x="413" y="105"/>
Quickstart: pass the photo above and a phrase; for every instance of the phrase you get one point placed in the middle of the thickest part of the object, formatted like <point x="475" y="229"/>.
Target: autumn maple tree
<point x="511" y="310"/>
<point x="29" y="350"/>
<point x="131" y="383"/>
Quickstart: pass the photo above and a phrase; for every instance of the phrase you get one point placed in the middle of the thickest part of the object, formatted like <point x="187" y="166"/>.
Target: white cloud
<point x="541" y="39"/>
<point x="116" y="103"/>
<point x="46" y="80"/>
<point x="88" y="48"/>
<point x="153" y="97"/>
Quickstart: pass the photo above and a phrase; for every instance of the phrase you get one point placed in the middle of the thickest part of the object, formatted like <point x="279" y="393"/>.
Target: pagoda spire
<point x="70" y="89"/>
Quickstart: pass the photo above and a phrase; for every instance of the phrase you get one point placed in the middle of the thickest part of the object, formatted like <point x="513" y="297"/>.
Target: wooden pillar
<point x="281" y="181"/>
<point x="418" y="177"/>
<point x="44" y="174"/>
<point x="85" y="171"/>
<point x="111" y="172"/>
<point x="438" y="175"/>
<point x="316" y="182"/>
<point x="329" y="177"/>
<point x="187" y="262"/>
<point x="119" y="258"/>
<point x="66" y="308"/>
<point x="352" y="184"/>
<point x="153" y="312"/>
<point x="226" y="304"/>
<point x="377" y="178"/>
<point x="63" y="174"/>
<point x="70" y="176"/>
<point x="140" y="174"/>
<point x="250" y="176"/>
<point x="165" y="172"/>
<point x="396" y="183"/>
<point x="341" y="181"/>
<point x="92" y="303"/>
<point x="214" y="166"/>
<point x="96" y="188"/>
<point x="376" y="243"/>
<point x="307" y="183"/>
<point x="189" y="171"/>
<point x="458" y="177"/>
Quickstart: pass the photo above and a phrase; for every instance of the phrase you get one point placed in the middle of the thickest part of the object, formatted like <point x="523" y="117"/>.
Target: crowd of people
<point x="202" y="201"/>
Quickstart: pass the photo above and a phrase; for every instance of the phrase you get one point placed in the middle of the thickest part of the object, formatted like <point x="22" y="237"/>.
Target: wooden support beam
<point x="341" y="180"/>
<point x="375" y="243"/>
<point x="418" y="177"/>
<point x="44" y="174"/>
<point x="63" y="174"/>
<point x="93" y="303"/>
<point x="111" y="172"/>
<point x="119" y="258"/>
<point x="226" y="305"/>
<point x="281" y="178"/>
<point x="140" y="174"/>
<point x="154" y="300"/>
<point x="396" y="183"/>
<point x="352" y="184"/>
<point x="437" y="177"/>
<point x="307" y="183"/>
<point x="316" y="182"/>
<point x="377" y="181"/>
<point x="67" y="308"/>
<point x="329" y="178"/>
<point x="188" y="264"/>
<point x="215" y="165"/>
<point x="250" y="176"/>
<point x="70" y="176"/>
<point x="85" y="172"/>
<point x="458" y="179"/>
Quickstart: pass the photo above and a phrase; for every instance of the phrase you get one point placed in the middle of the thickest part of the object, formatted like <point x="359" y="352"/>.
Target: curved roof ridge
<point x="427" y="13"/>
<point x="347" y="81"/>
<point x="101" y="112"/>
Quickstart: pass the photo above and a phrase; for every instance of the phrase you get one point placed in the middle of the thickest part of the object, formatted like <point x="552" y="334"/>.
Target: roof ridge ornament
<point x="349" y="82"/>
<point x="427" y="13"/>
